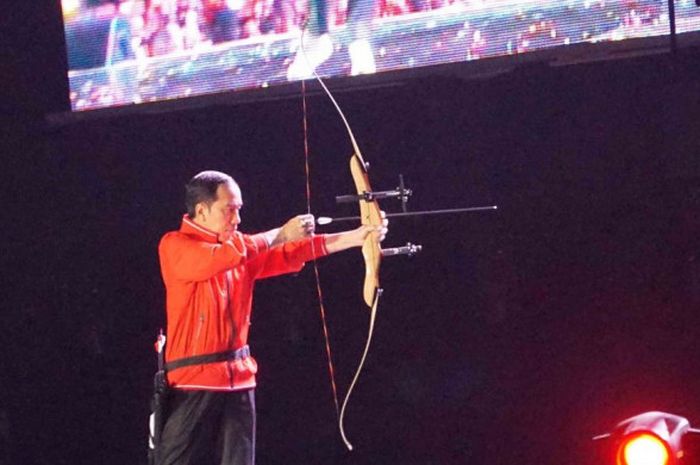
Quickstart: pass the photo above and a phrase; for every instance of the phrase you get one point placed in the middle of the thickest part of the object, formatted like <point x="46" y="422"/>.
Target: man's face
<point x="224" y="215"/>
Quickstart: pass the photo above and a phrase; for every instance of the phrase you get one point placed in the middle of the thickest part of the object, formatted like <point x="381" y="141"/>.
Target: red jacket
<point x="209" y="295"/>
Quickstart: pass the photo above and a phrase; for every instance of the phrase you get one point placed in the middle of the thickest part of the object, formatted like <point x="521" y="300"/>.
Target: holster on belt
<point x="158" y="402"/>
<point x="161" y="389"/>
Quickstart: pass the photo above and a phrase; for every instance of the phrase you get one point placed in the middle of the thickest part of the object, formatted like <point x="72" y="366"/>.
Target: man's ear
<point x="201" y="210"/>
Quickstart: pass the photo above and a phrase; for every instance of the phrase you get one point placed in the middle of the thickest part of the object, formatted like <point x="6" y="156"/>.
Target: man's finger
<point x="306" y="221"/>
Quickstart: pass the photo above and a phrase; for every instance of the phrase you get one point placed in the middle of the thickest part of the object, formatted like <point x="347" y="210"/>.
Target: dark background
<point x="512" y="338"/>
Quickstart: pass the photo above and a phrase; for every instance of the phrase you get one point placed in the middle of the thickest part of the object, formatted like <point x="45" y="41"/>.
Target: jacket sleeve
<point x="186" y="259"/>
<point x="287" y="258"/>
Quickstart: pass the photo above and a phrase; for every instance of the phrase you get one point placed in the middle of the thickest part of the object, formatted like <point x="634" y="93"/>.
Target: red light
<point x="645" y="449"/>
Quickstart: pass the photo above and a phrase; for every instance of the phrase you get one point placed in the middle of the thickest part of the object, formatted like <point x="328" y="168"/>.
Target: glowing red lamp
<point x="643" y="449"/>
<point x="651" y="438"/>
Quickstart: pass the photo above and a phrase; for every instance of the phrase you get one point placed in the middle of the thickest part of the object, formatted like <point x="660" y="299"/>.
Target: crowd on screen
<point x="159" y="27"/>
<point x="120" y="35"/>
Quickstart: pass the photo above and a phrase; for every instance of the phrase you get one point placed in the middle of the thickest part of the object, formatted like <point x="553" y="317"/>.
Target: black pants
<point x="208" y="428"/>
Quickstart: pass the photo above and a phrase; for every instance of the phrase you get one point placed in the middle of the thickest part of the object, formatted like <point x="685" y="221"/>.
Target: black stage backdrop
<point x="512" y="338"/>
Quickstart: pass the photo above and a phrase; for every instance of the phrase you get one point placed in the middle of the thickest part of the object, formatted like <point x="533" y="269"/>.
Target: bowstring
<point x="341" y="413"/>
<point x="322" y="307"/>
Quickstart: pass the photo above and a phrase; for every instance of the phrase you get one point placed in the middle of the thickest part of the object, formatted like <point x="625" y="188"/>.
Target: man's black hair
<point x="202" y="188"/>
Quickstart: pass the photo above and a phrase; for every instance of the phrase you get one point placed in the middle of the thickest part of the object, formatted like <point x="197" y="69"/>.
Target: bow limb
<point x="373" y="314"/>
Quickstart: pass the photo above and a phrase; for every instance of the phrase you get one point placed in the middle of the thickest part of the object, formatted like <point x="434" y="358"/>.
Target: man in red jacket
<point x="209" y="269"/>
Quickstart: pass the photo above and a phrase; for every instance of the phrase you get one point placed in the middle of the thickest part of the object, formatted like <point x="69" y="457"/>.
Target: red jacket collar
<point x="190" y="227"/>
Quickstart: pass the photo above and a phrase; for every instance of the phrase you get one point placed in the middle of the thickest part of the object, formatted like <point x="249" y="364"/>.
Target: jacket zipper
<point x="230" y="317"/>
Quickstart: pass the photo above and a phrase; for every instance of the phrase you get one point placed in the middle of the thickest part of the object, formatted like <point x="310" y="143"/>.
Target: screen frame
<point x="466" y="70"/>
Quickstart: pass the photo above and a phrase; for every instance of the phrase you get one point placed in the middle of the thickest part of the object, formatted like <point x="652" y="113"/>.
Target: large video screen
<point x="123" y="52"/>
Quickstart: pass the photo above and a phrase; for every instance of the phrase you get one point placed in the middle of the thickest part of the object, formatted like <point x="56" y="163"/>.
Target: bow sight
<point x="401" y="193"/>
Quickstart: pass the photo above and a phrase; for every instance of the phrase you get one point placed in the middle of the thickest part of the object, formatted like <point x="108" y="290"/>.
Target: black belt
<point x="226" y="355"/>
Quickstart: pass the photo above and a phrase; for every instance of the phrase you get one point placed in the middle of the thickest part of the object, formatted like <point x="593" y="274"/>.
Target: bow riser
<point x="370" y="214"/>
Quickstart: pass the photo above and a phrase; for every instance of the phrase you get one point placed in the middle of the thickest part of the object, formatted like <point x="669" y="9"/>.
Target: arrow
<point x="323" y="220"/>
